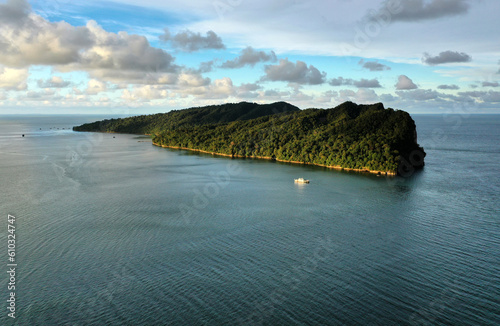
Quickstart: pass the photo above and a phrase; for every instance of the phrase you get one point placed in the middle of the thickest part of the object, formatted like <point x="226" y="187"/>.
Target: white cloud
<point x="367" y="83"/>
<point x="361" y="96"/>
<point x="217" y="89"/>
<point x="446" y="57"/>
<point x="248" y="90"/>
<point x="192" y="80"/>
<point x="273" y="95"/>
<point x="146" y="92"/>
<point x="32" y="40"/>
<point x="490" y="84"/>
<point x="220" y="88"/>
<point x="419" y="94"/>
<point x="123" y="56"/>
<point x="418" y="10"/>
<point x="48" y="95"/>
<point x="95" y="86"/>
<point x="189" y="41"/>
<point x="249" y="57"/>
<point x="450" y="87"/>
<point x="489" y="96"/>
<point x="362" y="83"/>
<point x="13" y="79"/>
<point x="53" y="82"/>
<point x="327" y="97"/>
<point x="297" y="72"/>
<point x="373" y="65"/>
<point x="405" y="83"/>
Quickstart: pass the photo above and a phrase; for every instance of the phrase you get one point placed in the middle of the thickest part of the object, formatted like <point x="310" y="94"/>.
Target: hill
<point x="349" y="136"/>
<point x="214" y="114"/>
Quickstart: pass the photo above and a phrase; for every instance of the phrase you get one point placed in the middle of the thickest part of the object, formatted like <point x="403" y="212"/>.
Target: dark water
<point x="115" y="231"/>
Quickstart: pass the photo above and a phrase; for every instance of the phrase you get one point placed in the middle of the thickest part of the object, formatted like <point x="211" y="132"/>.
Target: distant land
<point x="353" y="137"/>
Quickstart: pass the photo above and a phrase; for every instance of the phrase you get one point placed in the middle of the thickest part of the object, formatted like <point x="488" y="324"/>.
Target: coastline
<point x="335" y="167"/>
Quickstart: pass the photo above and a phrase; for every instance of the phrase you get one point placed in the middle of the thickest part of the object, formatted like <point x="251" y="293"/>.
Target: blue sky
<point x="138" y="57"/>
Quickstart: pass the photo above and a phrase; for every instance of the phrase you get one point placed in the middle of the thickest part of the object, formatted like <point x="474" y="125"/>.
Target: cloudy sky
<point x="145" y="56"/>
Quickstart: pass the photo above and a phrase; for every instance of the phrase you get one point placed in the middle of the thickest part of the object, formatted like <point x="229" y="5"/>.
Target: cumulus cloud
<point x="405" y="83"/>
<point x="44" y="95"/>
<point x="272" y="94"/>
<point x="419" y="95"/>
<point x="360" y="96"/>
<point x="448" y="87"/>
<point x="366" y="96"/>
<point x="192" y="80"/>
<point x="199" y="88"/>
<point x="367" y="83"/>
<point x="123" y="56"/>
<point x="189" y="41"/>
<point x="53" y="82"/>
<point x="249" y="57"/>
<point x="298" y="96"/>
<point x="327" y="96"/>
<point x="419" y="10"/>
<point x="145" y="93"/>
<point x="14" y="12"/>
<point x="223" y="86"/>
<point x="490" y="84"/>
<point x="362" y="83"/>
<point x="32" y="40"/>
<point x="373" y="65"/>
<point x="218" y="89"/>
<point x="248" y="90"/>
<point x="489" y="96"/>
<point x="297" y="72"/>
<point x="340" y="81"/>
<point x="250" y="87"/>
<point x="95" y="87"/>
<point x="446" y="57"/>
<point x="205" y="67"/>
<point x="386" y="98"/>
<point x="13" y="79"/>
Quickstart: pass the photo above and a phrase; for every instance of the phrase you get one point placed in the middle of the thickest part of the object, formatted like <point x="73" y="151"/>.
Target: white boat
<point x="301" y="180"/>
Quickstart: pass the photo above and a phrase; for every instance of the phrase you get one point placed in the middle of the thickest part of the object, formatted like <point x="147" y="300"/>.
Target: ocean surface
<point x="111" y="230"/>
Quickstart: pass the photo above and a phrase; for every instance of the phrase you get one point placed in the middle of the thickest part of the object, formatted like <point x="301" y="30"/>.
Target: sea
<point x="111" y="230"/>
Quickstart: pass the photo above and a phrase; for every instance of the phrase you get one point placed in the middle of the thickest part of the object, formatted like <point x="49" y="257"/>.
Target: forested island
<point x="350" y="136"/>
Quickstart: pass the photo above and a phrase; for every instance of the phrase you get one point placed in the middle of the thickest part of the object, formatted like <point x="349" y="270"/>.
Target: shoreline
<point x="335" y="167"/>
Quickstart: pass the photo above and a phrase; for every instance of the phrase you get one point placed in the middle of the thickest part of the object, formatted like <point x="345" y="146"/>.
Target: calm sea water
<point x="114" y="231"/>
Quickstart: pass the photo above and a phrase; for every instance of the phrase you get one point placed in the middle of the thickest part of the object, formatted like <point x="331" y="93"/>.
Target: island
<point x="352" y="137"/>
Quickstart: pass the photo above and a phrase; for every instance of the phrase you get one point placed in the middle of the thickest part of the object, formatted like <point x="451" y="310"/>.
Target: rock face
<point x="349" y="136"/>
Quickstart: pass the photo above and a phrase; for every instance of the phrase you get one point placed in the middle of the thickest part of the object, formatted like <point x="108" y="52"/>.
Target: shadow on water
<point x="393" y="179"/>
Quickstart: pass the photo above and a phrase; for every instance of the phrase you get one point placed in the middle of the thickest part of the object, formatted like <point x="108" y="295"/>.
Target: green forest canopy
<point x="351" y="136"/>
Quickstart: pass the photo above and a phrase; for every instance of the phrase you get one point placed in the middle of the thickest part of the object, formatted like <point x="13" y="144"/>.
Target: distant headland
<point x="352" y="137"/>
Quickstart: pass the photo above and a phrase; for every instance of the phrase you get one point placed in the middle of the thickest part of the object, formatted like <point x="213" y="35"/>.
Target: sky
<point x="146" y="56"/>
